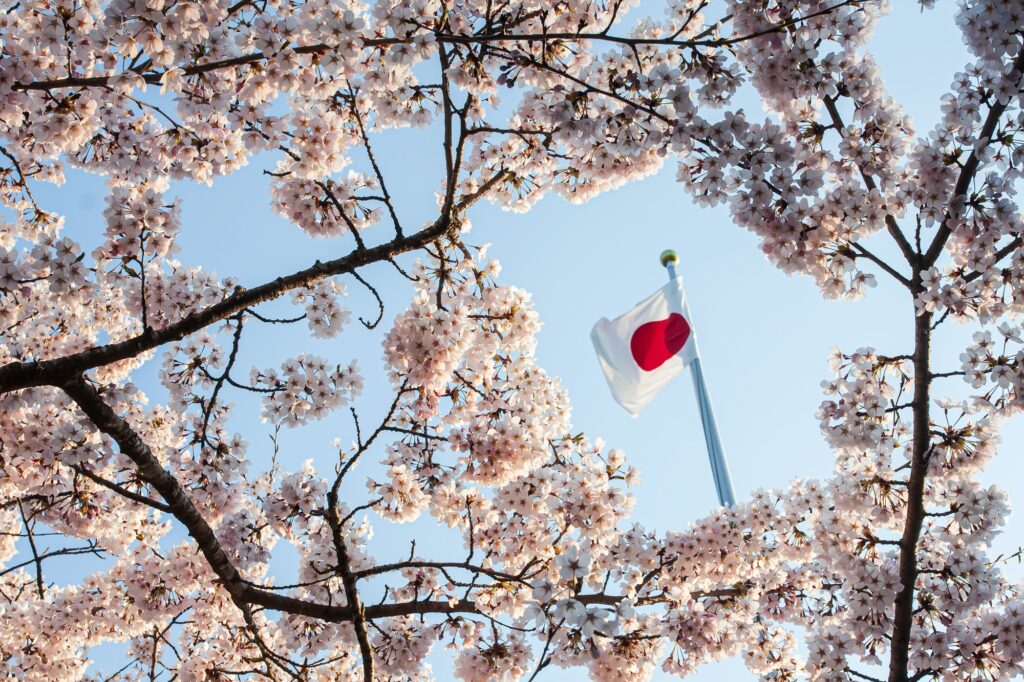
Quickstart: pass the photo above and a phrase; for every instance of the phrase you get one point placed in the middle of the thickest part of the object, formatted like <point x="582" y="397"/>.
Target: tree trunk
<point x="904" y="612"/>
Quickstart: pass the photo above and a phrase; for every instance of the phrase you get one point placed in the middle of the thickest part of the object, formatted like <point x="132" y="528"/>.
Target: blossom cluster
<point x="479" y="439"/>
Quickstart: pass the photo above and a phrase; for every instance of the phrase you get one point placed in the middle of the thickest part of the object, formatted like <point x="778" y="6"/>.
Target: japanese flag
<point x="645" y="348"/>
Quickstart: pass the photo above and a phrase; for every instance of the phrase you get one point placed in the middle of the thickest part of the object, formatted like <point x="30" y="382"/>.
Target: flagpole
<point x="716" y="454"/>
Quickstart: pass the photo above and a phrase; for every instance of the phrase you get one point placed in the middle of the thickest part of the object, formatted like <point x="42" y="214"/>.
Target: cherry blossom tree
<point x="881" y="571"/>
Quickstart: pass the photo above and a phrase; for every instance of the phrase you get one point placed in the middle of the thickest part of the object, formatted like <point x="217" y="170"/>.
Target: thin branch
<point x="91" y="548"/>
<point x="40" y="588"/>
<point x="376" y="295"/>
<point x="890" y="222"/>
<point x="851" y="671"/>
<point x="373" y="164"/>
<point x="968" y="171"/>
<point x="155" y="77"/>
<point x="466" y="566"/>
<point x="863" y="252"/>
<point x="120" y="490"/>
<point x="998" y="256"/>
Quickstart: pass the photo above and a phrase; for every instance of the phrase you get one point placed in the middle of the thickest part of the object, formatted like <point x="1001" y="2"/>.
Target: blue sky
<point x="764" y="336"/>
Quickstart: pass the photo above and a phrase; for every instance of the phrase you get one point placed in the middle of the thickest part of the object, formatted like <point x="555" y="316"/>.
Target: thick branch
<point x="242" y="592"/>
<point x="178" y="503"/>
<point x="18" y="375"/>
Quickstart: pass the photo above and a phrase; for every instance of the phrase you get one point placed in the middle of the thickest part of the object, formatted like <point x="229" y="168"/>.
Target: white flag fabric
<point x="644" y="349"/>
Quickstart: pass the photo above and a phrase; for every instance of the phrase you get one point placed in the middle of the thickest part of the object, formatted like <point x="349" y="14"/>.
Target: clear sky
<point x="764" y="336"/>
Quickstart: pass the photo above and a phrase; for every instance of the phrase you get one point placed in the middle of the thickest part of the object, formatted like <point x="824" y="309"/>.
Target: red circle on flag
<point x="653" y="343"/>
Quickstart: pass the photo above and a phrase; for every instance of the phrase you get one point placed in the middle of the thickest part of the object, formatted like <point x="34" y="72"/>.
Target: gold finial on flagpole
<point x="669" y="256"/>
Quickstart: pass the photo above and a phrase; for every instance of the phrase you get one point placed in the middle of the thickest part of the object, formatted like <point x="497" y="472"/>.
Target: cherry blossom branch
<point x="40" y="589"/>
<point x="373" y="164"/>
<point x="999" y="255"/>
<point x="376" y="295"/>
<point x="603" y="36"/>
<point x="601" y="599"/>
<point x="903" y="617"/>
<point x="19" y="375"/>
<point x="91" y="548"/>
<point x="970" y="169"/>
<point x="275" y="320"/>
<point x="895" y="274"/>
<point x="241" y="591"/>
<point x="211" y="404"/>
<point x="132" y="446"/>
<point x="44" y="500"/>
<point x="154" y="78"/>
<point x="417" y="434"/>
<point x="890" y="222"/>
<point x="269" y="655"/>
<point x="590" y="87"/>
<point x="543" y="661"/>
<point x="120" y="490"/>
<point x="851" y="671"/>
<point x="464" y="565"/>
<point x="348" y="581"/>
<point x="22" y="178"/>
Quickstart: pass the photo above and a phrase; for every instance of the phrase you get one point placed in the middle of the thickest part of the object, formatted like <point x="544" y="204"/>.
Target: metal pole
<point x="716" y="454"/>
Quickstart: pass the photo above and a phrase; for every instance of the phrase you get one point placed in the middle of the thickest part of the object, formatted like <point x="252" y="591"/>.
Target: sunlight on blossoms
<point x="348" y="456"/>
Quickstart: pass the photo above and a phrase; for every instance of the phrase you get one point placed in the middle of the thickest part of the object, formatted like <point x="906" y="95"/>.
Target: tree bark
<point x="903" y="617"/>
